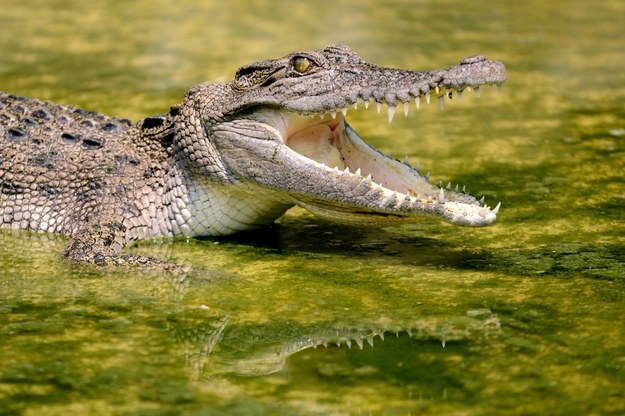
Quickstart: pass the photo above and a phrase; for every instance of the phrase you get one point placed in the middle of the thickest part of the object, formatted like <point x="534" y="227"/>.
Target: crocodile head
<point x="280" y="126"/>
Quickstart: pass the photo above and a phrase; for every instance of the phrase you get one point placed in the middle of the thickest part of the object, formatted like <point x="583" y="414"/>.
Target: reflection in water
<point x="85" y="341"/>
<point x="417" y="364"/>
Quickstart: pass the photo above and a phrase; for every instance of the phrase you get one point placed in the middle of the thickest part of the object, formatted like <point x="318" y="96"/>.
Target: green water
<point x="523" y="317"/>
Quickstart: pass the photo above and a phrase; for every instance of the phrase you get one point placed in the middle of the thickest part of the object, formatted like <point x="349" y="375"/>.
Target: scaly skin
<point x="231" y="157"/>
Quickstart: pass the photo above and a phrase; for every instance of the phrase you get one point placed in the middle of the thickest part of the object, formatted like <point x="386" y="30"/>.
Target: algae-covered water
<point x="308" y="318"/>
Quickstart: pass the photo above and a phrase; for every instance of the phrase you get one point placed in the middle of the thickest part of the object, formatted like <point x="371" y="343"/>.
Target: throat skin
<point x="230" y="157"/>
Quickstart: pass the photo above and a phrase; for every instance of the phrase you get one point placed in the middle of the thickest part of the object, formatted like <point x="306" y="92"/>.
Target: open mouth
<point x="328" y="143"/>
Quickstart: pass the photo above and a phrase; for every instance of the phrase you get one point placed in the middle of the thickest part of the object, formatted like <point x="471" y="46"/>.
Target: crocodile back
<point x="61" y="166"/>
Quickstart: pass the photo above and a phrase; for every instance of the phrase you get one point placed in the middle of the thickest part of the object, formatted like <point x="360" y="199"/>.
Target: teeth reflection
<point x="441" y="196"/>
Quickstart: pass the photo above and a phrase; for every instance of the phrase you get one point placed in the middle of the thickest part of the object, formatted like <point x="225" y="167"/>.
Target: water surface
<point x="523" y="317"/>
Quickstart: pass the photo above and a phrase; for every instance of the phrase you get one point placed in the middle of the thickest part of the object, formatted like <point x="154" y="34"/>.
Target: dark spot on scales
<point x="15" y="135"/>
<point x="41" y="114"/>
<point x="68" y="138"/>
<point x="111" y="127"/>
<point x="152" y="122"/>
<point x="30" y="122"/>
<point x="19" y="108"/>
<point x="92" y="143"/>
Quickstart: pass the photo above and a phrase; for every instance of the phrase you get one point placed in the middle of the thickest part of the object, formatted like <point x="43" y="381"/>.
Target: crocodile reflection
<point x="214" y="347"/>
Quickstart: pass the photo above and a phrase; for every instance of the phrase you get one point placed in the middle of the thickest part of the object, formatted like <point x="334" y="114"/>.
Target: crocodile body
<point x="231" y="157"/>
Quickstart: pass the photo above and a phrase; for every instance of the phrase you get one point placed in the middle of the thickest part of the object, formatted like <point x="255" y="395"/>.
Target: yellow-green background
<point x="523" y="317"/>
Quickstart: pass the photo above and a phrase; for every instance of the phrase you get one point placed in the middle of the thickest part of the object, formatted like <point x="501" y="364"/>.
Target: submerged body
<point x="231" y="157"/>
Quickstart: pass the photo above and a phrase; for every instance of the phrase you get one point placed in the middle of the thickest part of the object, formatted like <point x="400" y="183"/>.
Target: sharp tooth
<point x="357" y="173"/>
<point x="406" y="108"/>
<point x="477" y="91"/>
<point x="322" y="116"/>
<point x="441" y="197"/>
<point x="349" y="343"/>
<point x="370" y="340"/>
<point x="427" y="177"/>
<point x="459" y="95"/>
<point x="456" y="188"/>
<point x="482" y="199"/>
<point x="333" y="114"/>
<point x="441" y="102"/>
<point x="464" y="189"/>
<point x="439" y="184"/>
<point x="427" y="97"/>
<point x="356" y="105"/>
<point x="381" y="335"/>
<point x="448" y="186"/>
<point x="366" y="102"/>
<point x="417" y="167"/>
<point x="496" y="209"/>
<point x="417" y="101"/>
<point x="436" y="90"/>
<point x="336" y="169"/>
<point x="368" y="178"/>
<point x="346" y="170"/>
<point x="344" y="111"/>
<point x="391" y="112"/>
<point x="378" y="106"/>
<point x="388" y="155"/>
<point x="406" y="161"/>
<point x="359" y="342"/>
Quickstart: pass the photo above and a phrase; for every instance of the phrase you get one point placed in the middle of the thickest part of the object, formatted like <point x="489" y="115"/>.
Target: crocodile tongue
<point x="316" y="143"/>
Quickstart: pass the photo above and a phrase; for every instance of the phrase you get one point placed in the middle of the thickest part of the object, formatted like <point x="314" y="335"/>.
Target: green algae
<point x="524" y="317"/>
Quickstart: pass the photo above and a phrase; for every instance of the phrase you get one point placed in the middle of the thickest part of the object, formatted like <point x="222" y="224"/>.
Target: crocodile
<point x="231" y="157"/>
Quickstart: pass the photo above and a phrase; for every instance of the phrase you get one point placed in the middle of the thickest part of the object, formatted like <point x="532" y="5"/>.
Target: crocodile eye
<point x="301" y="64"/>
